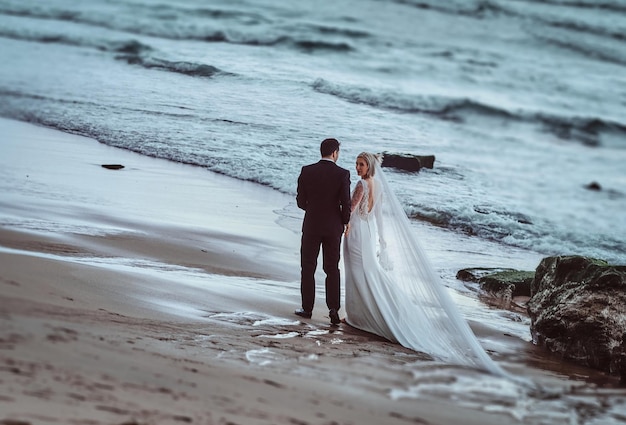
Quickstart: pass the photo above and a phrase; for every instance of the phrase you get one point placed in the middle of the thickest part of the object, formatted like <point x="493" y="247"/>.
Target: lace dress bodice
<point x="362" y="195"/>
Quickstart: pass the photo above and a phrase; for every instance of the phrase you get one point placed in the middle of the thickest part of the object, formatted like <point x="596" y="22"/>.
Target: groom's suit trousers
<point x="331" y="246"/>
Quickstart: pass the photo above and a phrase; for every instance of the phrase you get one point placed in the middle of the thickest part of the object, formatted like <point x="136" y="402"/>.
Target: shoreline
<point x="162" y="293"/>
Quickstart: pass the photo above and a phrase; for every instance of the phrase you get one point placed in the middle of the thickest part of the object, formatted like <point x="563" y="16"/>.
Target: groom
<point x="324" y="195"/>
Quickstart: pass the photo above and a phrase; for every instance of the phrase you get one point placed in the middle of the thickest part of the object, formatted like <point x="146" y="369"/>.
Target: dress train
<point x="406" y="301"/>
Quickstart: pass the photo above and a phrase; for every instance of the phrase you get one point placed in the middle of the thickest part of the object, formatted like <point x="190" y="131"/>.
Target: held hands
<point x="346" y="229"/>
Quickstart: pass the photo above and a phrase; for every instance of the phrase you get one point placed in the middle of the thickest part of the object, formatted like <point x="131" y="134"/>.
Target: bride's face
<point x="361" y="167"/>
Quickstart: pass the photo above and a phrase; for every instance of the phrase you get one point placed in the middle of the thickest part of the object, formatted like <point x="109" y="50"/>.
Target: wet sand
<point x="162" y="293"/>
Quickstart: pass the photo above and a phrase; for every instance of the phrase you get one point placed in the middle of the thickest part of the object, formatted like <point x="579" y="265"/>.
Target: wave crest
<point x="580" y="128"/>
<point x="181" y="67"/>
<point x="157" y="20"/>
<point x="131" y="51"/>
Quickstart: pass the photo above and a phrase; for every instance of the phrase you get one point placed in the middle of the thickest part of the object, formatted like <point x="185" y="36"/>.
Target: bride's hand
<point x="347" y="229"/>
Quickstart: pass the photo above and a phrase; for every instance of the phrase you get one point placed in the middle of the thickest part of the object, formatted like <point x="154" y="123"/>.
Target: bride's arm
<point x="357" y="195"/>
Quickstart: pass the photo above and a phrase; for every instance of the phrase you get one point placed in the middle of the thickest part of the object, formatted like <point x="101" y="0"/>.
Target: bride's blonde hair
<point x="371" y="159"/>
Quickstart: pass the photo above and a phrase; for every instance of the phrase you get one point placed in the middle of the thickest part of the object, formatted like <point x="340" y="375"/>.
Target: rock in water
<point x="407" y="162"/>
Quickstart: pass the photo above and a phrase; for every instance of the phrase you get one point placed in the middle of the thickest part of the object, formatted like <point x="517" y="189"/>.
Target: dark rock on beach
<point x="578" y="310"/>
<point x="594" y="186"/>
<point x="407" y="162"/>
<point x="112" y="166"/>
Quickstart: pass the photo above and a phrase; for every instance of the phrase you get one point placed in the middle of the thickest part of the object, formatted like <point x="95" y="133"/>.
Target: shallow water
<point x="558" y="399"/>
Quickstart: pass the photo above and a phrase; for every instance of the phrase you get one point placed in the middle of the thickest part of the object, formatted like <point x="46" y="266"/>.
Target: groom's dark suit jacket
<point x="324" y="195"/>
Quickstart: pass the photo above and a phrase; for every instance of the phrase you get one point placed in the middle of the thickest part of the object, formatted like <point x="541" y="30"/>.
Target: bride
<point x="391" y="288"/>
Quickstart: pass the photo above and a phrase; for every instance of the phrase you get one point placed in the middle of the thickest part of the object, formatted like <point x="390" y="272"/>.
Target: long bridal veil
<point x="445" y="333"/>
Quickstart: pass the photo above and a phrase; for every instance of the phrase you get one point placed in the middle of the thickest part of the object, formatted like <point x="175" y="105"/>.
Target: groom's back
<point x="324" y="195"/>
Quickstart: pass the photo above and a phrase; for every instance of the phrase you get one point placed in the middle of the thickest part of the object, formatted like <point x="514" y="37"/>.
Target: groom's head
<point x="329" y="147"/>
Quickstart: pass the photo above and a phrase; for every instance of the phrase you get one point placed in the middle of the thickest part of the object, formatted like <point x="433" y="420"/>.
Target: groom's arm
<point x="345" y="198"/>
<point x="301" y="197"/>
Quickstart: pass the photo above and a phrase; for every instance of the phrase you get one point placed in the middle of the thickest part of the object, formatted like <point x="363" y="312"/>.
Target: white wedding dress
<point x="391" y="289"/>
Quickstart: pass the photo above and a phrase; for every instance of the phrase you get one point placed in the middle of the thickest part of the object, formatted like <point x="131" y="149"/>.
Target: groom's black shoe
<point x="303" y="313"/>
<point x="334" y="317"/>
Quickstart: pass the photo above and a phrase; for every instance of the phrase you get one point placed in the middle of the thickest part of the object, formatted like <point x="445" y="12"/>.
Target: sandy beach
<point x="162" y="293"/>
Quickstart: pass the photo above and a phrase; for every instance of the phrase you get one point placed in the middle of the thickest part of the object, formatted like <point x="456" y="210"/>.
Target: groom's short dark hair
<point x="329" y="146"/>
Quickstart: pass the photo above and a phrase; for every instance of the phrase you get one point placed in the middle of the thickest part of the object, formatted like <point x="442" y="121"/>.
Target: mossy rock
<point x="520" y="279"/>
<point x="495" y="280"/>
<point x="578" y="310"/>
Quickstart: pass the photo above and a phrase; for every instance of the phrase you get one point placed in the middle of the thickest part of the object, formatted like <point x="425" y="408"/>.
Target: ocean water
<point x="523" y="102"/>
